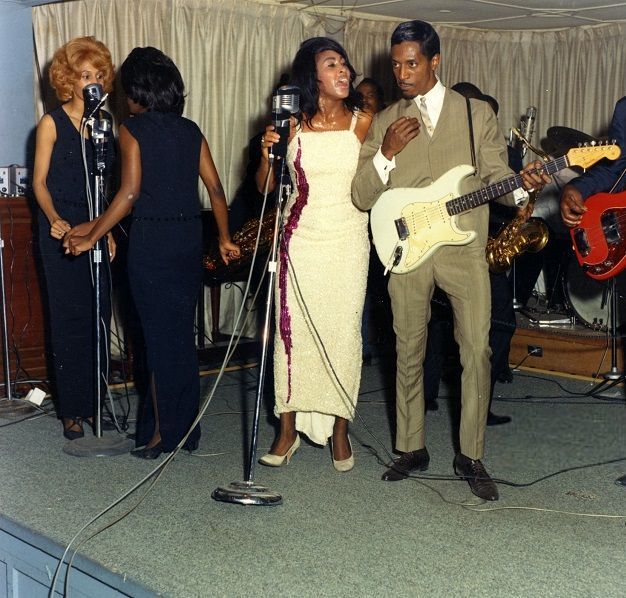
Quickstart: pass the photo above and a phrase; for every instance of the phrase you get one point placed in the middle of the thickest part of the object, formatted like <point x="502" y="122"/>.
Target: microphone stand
<point x="98" y="445"/>
<point x="248" y="492"/>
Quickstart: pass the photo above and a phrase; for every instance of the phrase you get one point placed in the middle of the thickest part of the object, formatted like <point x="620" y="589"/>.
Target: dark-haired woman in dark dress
<point x="162" y="156"/>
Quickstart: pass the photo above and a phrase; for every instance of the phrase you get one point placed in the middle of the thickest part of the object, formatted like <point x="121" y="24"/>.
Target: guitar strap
<point x="471" y="135"/>
<point x="617" y="182"/>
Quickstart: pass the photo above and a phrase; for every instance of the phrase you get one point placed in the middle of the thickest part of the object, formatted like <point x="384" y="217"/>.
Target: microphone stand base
<point x="247" y="493"/>
<point x="94" y="446"/>
<point x="13" y="408"/>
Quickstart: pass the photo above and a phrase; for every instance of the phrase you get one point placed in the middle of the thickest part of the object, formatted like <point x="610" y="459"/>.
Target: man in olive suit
<point x="411" y="144"/>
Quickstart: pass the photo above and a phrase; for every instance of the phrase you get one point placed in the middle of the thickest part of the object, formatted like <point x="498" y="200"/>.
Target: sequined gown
<point x="320" y="284"/>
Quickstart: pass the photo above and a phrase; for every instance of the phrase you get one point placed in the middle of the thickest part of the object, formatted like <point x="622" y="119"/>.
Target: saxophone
<point x="246" y="239"/>
<point x="514" y="238"/>
<point x="518" y="235"/>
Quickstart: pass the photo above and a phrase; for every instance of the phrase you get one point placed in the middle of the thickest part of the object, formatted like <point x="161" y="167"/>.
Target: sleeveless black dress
<point x="165" y="270"/>
<point x="69" y="287"/>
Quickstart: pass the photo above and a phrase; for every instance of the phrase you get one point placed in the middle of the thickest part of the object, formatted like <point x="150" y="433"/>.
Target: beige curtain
<point x="573" y="76"/>
<point x="230" y="54"/>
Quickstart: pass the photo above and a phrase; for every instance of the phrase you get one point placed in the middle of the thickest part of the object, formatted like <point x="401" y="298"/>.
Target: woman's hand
<point x="268" y="139"/>
<point x="112" y="246"/>
<point x="77" y="244"/>
<point x="59" y="227"/>
<point x="229" y="251"/>
<point x="82" y="229"/>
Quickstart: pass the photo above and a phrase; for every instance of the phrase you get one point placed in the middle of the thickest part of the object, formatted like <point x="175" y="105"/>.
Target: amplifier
<point x="4" y="180"/>
<point x="18" y="179"/>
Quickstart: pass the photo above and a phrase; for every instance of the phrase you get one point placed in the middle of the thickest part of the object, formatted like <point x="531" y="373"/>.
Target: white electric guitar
<point x="409" y="224"/>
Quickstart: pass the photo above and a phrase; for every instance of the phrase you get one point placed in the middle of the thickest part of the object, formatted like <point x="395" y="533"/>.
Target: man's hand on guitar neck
<point x="398" y="134"/>
<point x="572" y="206"/>
<point x="534" y="176"/>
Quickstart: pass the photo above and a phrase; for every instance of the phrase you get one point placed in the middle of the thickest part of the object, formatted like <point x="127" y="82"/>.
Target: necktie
<point x="426" y="118"/>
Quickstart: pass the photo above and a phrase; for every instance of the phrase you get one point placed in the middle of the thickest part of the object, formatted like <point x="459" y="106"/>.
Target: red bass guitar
<point x="600" y="239"/>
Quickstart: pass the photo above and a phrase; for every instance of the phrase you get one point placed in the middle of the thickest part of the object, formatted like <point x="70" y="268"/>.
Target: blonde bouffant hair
<point x="67" y="60"/>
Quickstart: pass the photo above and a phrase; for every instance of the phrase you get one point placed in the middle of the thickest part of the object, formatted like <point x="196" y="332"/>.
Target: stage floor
<point x="343" y="534"/>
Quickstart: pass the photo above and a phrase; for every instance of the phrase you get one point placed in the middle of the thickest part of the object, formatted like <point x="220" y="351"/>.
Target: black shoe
<point x="191" y="446"/>
<point x="476" y="475"/>
<point x="403" y="465"/>
<point x="506" y="376"/>
<point x="148" y="453"/>
<point x="496" y="420"/>
<point x="68" y="424"/>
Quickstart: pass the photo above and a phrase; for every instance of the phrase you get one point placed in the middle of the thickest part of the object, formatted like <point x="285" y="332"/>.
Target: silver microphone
<point x="285" y="102"/>
<point x="93" y="97"/>
<point x="527" y="126"/>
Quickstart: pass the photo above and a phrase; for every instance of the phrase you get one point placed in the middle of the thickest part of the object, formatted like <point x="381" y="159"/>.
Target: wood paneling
<point x="24" y="313"/>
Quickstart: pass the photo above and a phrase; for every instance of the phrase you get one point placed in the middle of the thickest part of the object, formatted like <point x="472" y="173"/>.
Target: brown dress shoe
<point x="403" y="465"/>
<point x="476" y="475"/>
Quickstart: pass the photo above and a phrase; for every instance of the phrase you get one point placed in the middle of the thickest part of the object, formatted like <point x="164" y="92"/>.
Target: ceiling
<point x="481" y="14"/>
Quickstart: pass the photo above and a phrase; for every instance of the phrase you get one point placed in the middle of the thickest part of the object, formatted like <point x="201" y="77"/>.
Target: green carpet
<point x="351" y="534"/>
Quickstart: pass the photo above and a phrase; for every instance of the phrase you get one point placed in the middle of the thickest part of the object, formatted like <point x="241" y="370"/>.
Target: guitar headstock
<point x="587" y="155"/>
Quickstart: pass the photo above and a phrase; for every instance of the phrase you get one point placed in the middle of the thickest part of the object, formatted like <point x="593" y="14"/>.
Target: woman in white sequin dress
<point x="323" y="259"/>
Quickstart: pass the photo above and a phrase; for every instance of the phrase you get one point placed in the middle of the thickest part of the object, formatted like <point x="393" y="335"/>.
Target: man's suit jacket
<point x="424" y="160"/>
<point x="602" y="176"/>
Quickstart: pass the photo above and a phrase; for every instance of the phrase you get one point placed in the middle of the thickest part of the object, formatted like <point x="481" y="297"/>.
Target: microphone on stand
<point x="94" y="97"/>
<point x="285" y="102"/>
<point x="527" y="126"/>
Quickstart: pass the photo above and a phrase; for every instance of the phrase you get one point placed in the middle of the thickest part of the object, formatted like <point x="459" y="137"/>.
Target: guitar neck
<point x="464" y="203"/>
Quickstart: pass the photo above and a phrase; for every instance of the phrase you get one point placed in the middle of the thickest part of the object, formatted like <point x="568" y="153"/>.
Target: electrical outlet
<point x="535" y="350"/>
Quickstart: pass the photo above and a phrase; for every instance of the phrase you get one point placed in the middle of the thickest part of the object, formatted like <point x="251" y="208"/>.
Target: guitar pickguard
<point x="429" y="226"/>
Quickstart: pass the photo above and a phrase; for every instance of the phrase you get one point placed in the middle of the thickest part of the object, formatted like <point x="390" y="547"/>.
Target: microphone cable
<point x="156" y="473"/>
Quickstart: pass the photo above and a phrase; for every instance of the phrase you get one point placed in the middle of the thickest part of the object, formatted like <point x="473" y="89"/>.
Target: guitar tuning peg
<point x="593" y="143"/>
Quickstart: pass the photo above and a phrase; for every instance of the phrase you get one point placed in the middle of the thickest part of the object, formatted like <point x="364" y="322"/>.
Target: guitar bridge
<point x="402" y="229"/>
<point x="610" y="226"/>
<point x="580" y="240"/>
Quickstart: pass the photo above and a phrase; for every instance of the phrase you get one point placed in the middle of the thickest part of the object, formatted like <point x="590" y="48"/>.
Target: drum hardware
<point x="559" y="140"/>
<point x="589" y="300"/>
<point x="613" y="376"/>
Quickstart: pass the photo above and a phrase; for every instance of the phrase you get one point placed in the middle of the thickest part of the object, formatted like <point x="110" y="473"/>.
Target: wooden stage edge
<point x="569" y="349"/>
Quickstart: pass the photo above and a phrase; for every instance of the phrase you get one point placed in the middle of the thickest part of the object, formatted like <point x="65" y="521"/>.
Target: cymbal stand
<point x="613" y="376"/>
<point x="98" y="445"/>
<point x="248" y="492"/>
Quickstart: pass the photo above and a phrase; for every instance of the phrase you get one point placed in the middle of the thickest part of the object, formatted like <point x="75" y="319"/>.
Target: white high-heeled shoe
<point x="343" y="465"/>
<point x="277" y="460"/>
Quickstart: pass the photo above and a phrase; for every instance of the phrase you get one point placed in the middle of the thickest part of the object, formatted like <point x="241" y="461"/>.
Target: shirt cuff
<point x="520" y="196"/>
<point x="383" y="166"/>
